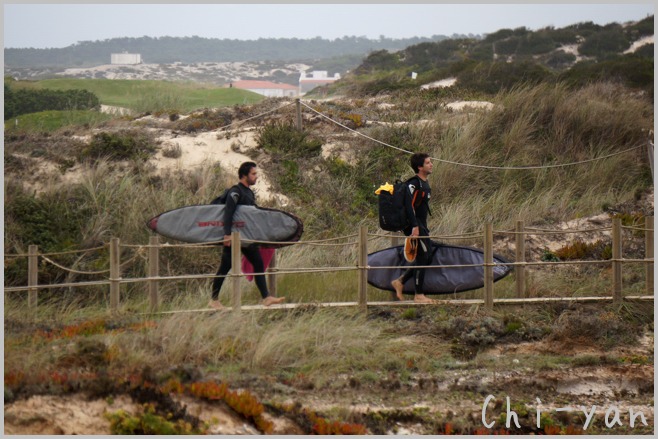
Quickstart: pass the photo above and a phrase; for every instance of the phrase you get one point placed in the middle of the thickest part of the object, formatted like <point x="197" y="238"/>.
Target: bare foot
<point x="270" y="300"/>
<point x="399" y="288"/>
<point x="421" y="298"/>
<point x="215" y="304"/>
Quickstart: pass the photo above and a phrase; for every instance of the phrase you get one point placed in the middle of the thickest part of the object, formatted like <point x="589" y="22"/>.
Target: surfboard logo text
<point x="238" y="224"/>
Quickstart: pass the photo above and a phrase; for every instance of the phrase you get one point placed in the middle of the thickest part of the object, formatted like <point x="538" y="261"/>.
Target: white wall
<point x="126" y="58"/>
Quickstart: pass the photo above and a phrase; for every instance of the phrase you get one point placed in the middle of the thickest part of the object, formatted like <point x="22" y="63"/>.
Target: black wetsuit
<point x="417" y="206"/>
<point x="239" y="194"/>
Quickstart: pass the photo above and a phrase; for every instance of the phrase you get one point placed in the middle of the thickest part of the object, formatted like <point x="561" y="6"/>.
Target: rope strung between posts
<point x="639" y="229"/>
<point x="240" y="122"/>
<point x="320" y="242"/>
<point x="533" y="231"/>
<point x="70" y="270"/>
<point x="18" y="255"/>
<point x="471" y="165"/>
<point x="458" y="236"/>
<point x="210" y="243"/>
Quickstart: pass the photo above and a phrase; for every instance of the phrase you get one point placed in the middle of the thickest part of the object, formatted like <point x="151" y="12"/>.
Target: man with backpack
<point x="239" y="194"/>
<point x="416" y="204"/>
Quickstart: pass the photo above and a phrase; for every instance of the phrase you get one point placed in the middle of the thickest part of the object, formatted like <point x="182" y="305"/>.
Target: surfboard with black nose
<point x="204" y="223"/>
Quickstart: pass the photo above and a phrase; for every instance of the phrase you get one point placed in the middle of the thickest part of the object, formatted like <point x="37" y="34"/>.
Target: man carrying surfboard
<point x="417" y="207"/>
<point x="241" y="194"/>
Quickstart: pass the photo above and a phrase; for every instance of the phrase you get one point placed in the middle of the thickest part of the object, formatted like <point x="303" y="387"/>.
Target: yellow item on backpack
<point x="388" y="187"/>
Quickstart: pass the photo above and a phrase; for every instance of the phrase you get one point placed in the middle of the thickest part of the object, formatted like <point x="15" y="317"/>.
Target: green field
<point x="50" y="121"/>
<point x="139" y="95"/>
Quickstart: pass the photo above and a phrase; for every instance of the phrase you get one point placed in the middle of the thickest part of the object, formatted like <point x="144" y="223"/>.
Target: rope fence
<point x="153" y="256"/>
<point x="151" y="252"/>
<point x="469" y="165"/>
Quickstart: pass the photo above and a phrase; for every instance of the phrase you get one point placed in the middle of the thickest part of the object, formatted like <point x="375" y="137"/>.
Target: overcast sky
<point x="61" y="25"/>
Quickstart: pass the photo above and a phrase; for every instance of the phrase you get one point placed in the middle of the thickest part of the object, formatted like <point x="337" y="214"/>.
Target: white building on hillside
<point x="317" y="79"/>
<point x="126" y="58"/>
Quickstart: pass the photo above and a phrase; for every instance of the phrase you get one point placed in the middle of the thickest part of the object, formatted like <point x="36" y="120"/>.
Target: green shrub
<point x="24" y="101"/>
<point x="122" y="145"/>
<point x="642" y="28"/>
<point x="149" y="422"/>
<point x="548" y="256"/>
<point x="172" y="151"/>
<point x="410" y="314"/>
<point x="560" y="59"/>
<point x="605" y="328"/>
<point x="476" y="332"/>
<point x="513" y="327"/>
<point x="380" y="60"/>
<point x="284" y="138"/>
<point x="632" y="70"/>
<point x="290" y="180"/>
<point x="53" y="222"/>
<point x="44" y="221"/>
<point x="355" y="120"/>
<point x="207" y="120"/>
<point x="603" y="43"/>
<point x="494" y="77"/>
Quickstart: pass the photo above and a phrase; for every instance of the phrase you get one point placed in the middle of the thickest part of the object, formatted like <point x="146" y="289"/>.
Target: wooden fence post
<point x="616" y="260"/>
<point x="153" y="271"/>
<point x="363" y="266"/>
<point x="236" y="270"/>
<point x="519" y="270"/>
<point x="115" y="273"/>
<point x="299" y="114"/>
<point x="648" y="243"/>
<point x="488" y="265"/>
<point x="271" y="276"/>
<point x="32" y="275"/>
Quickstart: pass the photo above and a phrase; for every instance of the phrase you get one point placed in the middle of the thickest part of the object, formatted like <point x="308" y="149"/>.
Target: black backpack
<point x="392" y="214"/>
<point x="222" y="198"/>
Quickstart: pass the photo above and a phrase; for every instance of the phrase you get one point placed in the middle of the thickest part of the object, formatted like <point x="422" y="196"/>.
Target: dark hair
<point x="245" y="168"/>
<point x="418" y="160"/>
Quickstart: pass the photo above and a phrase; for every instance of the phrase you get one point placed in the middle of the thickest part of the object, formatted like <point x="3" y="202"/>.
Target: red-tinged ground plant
<point x="70" y="331"/>
<point x="316" y="424"/>
<point x="90" y="327"/>
<point x="14" y="378"/>
<point x="573" y="430"/>
<point x="448" y="428"/>
<point x="579" y="249"/>
<point x="244" y="403"/>
<point x="553" y="429"/>
<point x="320" y="425"/>
<point x="173" y="386"/>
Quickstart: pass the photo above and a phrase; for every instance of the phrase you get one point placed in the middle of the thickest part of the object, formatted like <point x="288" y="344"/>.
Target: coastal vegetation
<point x="549" y="149"/>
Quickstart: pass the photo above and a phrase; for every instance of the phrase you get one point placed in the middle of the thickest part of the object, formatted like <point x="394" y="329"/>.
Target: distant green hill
<point x="166" y="50"/>
<point x="577" y="55"/>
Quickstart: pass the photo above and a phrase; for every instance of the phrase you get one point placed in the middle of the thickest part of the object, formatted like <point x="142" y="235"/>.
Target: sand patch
<point x="206" y="149"/>
<point x="448" y="82"/>
<point x="639" y="43"/>
<point x="473" y="105"/>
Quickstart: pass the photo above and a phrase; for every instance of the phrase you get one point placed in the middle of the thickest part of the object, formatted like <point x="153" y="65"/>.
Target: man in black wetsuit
<point x="417" y="206"/>
<point x="241" y="194"/>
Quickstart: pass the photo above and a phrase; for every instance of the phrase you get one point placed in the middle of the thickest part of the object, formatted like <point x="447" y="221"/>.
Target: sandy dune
<point x="213" y="147"/>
